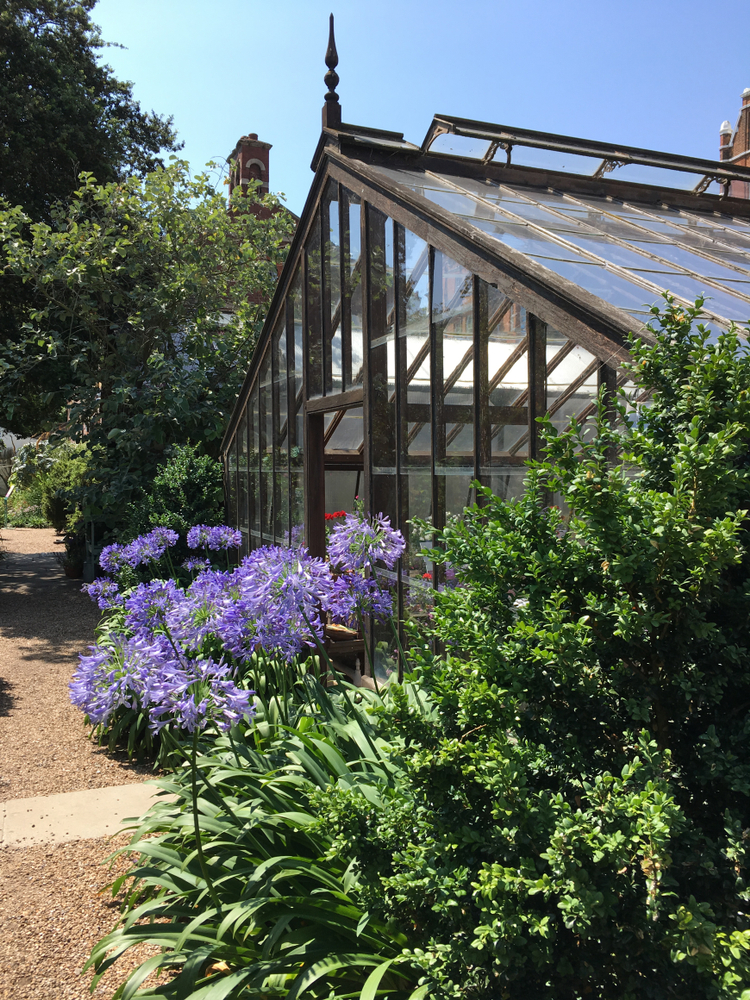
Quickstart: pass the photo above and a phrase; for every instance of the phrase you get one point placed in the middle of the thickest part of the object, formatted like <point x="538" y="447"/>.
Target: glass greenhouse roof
<point x="626" y="253"/>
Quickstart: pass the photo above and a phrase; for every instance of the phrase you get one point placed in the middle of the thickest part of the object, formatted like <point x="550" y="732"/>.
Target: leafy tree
<point x="147" y="300"/>
<point x="578" y="823"/>
<point x="63" y="111"/>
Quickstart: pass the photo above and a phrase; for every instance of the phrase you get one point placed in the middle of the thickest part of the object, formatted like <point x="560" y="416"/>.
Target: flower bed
<point x="178" y="652"/>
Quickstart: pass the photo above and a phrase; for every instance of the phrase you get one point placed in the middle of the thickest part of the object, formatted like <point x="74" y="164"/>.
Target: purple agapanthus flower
<point x="358" y="543"/>
<point x="278" y="596"/>
<point x="142" y="550"/>
<point x="104" y="591"/>
<point x="118" y="674"/>
<point x="115" y="557"/>
<point x="356" y="597"/>
<point x="195" y="565"/>
<point x="203" y="536"/>
<point x="148" y="604"/>
<point x="194" y="618"/>
<point x="194" y="693"/>
<point x="148" y="674"/>
<point x="150" y="547"/>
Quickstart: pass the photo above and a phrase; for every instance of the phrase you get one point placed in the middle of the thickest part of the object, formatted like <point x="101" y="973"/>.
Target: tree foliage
<point x="146" y="300"/>
<point x="63" y="111"/>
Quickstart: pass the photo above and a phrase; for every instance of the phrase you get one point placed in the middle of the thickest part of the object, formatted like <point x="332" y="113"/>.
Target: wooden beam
<point x="339" y="401"/>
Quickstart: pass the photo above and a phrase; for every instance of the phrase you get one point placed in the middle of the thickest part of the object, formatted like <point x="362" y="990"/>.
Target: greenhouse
<point x="438" y="299"/>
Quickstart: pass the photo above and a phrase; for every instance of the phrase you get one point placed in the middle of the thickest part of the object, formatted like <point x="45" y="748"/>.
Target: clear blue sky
<point x="662" y="74"/>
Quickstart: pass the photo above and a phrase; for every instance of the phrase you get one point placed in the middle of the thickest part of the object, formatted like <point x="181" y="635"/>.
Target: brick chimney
<point x="734" y="145"/>
<point x="249" y="161"/>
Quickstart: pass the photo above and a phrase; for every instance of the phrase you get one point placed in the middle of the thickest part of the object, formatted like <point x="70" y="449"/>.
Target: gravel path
<point x="51" y="907"/>
<point x="45" y="621"/>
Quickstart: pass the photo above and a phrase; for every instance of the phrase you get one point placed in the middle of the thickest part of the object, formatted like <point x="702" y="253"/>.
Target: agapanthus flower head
<point x="104" y="591"/>
<point x="194" y="618"/>
<point x="203" y="536"/>
<point x="114" y="558"/>
<point x="196" y="693"/>
<point x="196" y="564"/>
<point x="277" y="598"/>
<point x="147" y="606"/>
<point x="142" y="550"/>
<point x="150" y="675"/>
<point x="118" y="674"/>
<point x="151" y="546"/>
<point x="359" y="543"/>
<point x="356" y="597"/>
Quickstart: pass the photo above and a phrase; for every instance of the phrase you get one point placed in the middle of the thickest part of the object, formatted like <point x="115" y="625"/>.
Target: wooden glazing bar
<point x="537" y="332"/>
<point x="315" y="485"/>
<point x="338" y="401"/>
<point x="345" y="284"/>
<point x="325" y="292"/>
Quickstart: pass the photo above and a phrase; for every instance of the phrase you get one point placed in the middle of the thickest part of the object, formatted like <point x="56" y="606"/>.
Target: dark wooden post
<point x="537" y="332"/>
<point x="315" y="484"/>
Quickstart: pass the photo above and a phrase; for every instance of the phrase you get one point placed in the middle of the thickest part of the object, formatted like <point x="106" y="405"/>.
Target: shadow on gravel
<point x="7" y="701"/>
<point x="38" y="602"/>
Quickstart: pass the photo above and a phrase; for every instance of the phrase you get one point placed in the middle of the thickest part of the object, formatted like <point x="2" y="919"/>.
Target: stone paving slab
<point x="79" y="815"/>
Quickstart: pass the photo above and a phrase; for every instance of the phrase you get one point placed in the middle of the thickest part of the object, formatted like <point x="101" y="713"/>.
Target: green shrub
<point x="26" y="506"/>
<point x="188" y="489"/>
<point x="68" y="470"/>
<point x="582" y="811"/>
<point x="44" y="477"/>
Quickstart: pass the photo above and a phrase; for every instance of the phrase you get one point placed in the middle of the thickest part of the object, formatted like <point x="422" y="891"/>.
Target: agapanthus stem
<point x="320" y="646"/>
<point x="400" y="648"/>
<point x="368" y="654"/>
<point x="196" y="823"/>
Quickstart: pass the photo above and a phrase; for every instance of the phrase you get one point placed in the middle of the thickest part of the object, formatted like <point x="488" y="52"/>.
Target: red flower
<point x="338" y="513"/>
<point x="427" y="576"/>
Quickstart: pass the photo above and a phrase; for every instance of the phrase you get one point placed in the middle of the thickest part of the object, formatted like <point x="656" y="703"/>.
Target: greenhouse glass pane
<point x="528" y="241"/>
<point x="453" y="387"/>
<point x="507" y="483"/>
<point x="572" y="380"/>
<point x="640" y="173"/>
<point x="354" y="270"/>
<point x="333" y="352"/>
<point x="296" y="413"/>
<point x="503" y="389"/>
<point x="232" y="483"/>
<point x="549" y="159"/>
<point x="254" y="496"/>
<point x="342" y="486"/>
<point x="344" y="431"/>
<point x="460" y="145"/>
<point x="281" y="435"/>
<point x="415" y="436"/>
<point x="314" y="305"/>
<point x="692" y="261"/>
<point x="596" y="279"/>
<point x="242" y="471"/>
<point x="266" y="429"/>
<point x="382" y="363"/>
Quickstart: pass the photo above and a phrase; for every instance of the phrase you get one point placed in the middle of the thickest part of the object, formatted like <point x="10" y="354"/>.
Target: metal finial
<point x="331" y="108"/>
